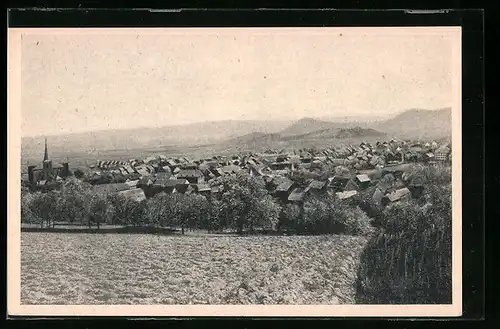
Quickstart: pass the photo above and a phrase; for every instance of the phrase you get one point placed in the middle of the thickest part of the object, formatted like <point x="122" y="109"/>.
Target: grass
<point x="72" y="269"/>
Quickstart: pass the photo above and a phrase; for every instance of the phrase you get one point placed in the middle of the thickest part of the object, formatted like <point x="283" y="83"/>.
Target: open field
<point x="153" y="269"/>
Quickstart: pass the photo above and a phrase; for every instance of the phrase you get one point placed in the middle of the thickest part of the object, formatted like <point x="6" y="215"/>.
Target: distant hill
<point x="147" y="138"/>
<point x="309" y="125"/>
<point x="358" y="132"/>
<point x="418" y="123"/>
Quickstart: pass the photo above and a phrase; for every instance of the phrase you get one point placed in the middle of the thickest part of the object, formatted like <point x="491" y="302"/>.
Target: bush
<point x="409" y="260"/>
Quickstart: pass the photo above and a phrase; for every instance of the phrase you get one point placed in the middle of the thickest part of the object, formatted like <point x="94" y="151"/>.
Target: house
<point x="337" y="162"/>
<point x="317" y="187"/>
<point x="338" y="183"/>
<point x="397" y="195"/>
<point x="397" y="170"/>
<point x="363" y="180"/>
<point x="297" y="195"/>
<point x="170" y="185"/>
<point x="110" y="188"/>
<point x="203" y="189"/>
<point x="181" y="185"/>
<point x="283" y="190"/>
<point x="144" y="182"/>
<point x="351" y="186"/>
<point x="135" y="194"/>
<point x="441" y="154"/>
<point x="216" y="190"/>
<point x="132" y="183"/>
<point x="429" y="156"/>
<point x="193" y="176"/>
<point x="281" y="165"/>
<point x="377" y="196"/>
<point x="230" y="169"/>
<point x="346" y="195"/>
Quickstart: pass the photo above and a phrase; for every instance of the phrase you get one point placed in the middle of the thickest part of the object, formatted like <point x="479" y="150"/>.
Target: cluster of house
<point x="367" y="164"/>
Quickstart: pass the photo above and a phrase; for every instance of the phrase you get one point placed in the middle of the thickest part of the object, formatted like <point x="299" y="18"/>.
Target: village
<point x="290" y="177"/>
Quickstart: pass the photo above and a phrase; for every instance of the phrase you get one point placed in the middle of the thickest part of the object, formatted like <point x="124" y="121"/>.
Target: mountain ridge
<point x="412" y="123"/>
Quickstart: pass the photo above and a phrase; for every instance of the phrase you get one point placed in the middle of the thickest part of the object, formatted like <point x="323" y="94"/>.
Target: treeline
<point x="245" y="205"/>
<point x="409" y="260"/>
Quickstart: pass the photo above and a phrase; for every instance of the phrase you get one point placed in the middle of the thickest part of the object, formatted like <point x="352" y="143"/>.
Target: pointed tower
<point x="46" y="154"/>
<point x="47" y="164"/>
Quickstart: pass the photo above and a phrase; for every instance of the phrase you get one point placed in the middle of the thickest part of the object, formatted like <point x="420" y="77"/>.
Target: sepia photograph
<point x="235" y="171"/>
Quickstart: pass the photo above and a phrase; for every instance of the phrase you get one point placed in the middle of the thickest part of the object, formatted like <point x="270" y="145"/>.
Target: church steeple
<point x="46" y="154"/>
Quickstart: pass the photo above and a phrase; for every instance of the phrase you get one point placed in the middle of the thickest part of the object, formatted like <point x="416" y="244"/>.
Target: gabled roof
<point x="110" y="188"/>
<point x="190" y="173"/>
<point x="132" y="184"/>
<point x="230" y="169"/>
<point x="363" y="178"/>
<point x="135" y="194"/>
<point x="346" y="194"/>
<point x="398" y="194"/>
<point x="317" y="185"/>
<point x="203" y="188"/>
<point x="377" y="196"/>
<point x="351" y="185"/>
<point x="284" y="185"/>
<point x="297" y="194"/>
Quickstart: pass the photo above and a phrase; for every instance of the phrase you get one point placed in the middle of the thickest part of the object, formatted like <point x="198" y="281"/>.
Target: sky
<point x="76" y="82"/>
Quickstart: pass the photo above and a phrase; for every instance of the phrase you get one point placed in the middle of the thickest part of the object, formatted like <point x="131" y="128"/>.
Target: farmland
<point x="155" y="269"/>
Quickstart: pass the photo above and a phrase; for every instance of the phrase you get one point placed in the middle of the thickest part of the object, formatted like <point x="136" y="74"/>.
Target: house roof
<point x="346" y="195"/>
<point x="230" y="169"/>
<point x="110" y="188"/>
<point x="203" y="188"/>
<point x="363" y="178"/>
<point x="398" y="194"/>
<point x="132" y="183"/>
<point x="216" y="189"/>
<point x="297" y="194"/>
<point x="190" y="173"/>
<point x="135" y="194"/>
<point x="377" y="196"/>
<point x="175" y="182"/>
<point x="284" y="185"/>
<point x="317" y="185"/>
<point x="351" y="185"/>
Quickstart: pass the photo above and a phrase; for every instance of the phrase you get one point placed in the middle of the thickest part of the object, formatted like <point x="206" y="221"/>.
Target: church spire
<point x="46" y="154"/>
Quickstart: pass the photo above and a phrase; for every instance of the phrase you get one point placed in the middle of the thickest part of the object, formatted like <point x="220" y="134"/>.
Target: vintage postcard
<point x="235" y="172"/>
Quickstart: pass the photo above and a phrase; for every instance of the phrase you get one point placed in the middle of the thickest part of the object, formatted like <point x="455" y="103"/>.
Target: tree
<point x="73" y="200"/>
<point x="44" y="207"/>
<point x="290" y="218"/>
<point x="78" y="173"/>
<point x="245" y="203"/>
<point x="27" y="215"/>
<point x="118" y="202"/>
<point x="98" y="210"/>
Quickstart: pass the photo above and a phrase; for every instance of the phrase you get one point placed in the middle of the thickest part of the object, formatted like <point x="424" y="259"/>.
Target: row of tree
<point x="244" y="205"/>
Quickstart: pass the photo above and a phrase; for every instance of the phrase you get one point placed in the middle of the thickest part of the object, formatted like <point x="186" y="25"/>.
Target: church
<point x="48" y="172"/>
